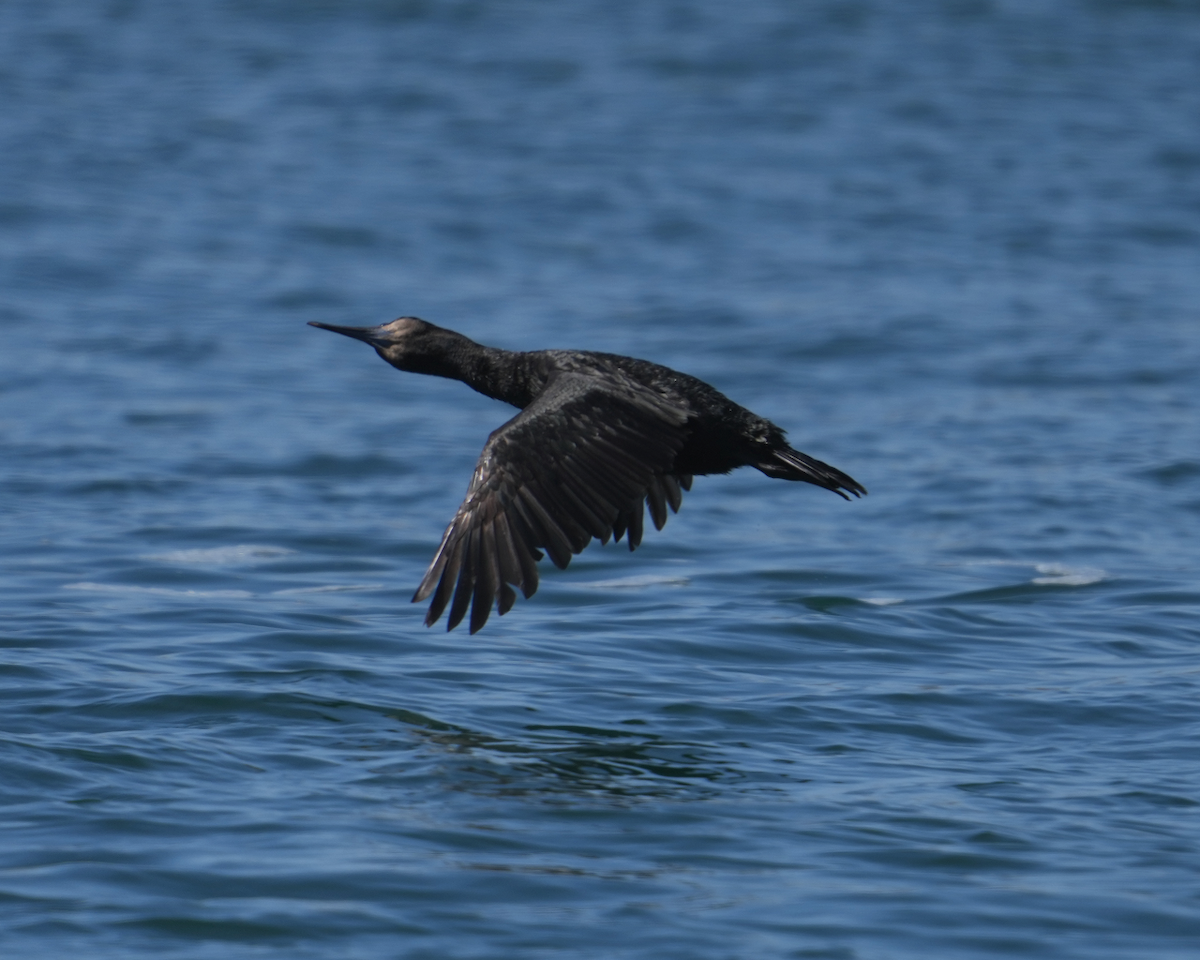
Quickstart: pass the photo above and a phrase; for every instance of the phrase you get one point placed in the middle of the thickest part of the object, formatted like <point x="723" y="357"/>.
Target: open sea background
<point x="952" y="245"/>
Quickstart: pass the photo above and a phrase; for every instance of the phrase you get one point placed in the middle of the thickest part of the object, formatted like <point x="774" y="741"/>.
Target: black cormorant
<point x="598" y="435"/>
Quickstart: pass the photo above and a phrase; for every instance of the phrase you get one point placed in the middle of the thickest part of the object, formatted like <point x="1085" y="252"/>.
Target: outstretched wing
<point x="577" y="463"/>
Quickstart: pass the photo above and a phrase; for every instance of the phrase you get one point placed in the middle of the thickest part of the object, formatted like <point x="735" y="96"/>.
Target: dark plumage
<point x="598" y="435"/>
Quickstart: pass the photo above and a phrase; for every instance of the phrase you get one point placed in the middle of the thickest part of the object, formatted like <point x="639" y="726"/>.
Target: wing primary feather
<point x="656" y="498"/>
<point x="466" y="580"/>
<point x="550" y="498"/>
<point x="670" y="483"/>
<point x="487" y="579"/>
<point x="524" y="552"/>
<point x="620" y="525"/>
<point x="438" y="604"/>
<point x="636" y="516"/>
<point x="529" y="581"/>
<point x="445" y="585"/>
<point x="528" y="531"/>
<point x="436" y="566"/>
<point x="556" y="542"/>
<point x="507" y="598"/>
<point x="506" y="552"/>
<point x="591" y="520"/>
<point x="518" y="525"/>
<point x="685" y="480"/>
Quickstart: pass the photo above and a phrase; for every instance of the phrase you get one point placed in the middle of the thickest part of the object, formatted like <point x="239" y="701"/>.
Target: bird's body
<point x="599" y="436"/>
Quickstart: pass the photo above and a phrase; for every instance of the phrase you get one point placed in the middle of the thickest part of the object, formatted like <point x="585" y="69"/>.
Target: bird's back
<point x="718" y="432"/>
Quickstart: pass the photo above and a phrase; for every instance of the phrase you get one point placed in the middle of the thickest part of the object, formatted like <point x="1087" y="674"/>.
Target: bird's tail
<point x="789" y="464"/>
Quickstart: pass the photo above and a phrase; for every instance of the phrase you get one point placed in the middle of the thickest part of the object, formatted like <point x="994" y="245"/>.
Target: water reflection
<point x="569" y="760"/>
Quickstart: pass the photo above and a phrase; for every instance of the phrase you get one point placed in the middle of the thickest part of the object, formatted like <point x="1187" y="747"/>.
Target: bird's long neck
<point x="501" y="374"/>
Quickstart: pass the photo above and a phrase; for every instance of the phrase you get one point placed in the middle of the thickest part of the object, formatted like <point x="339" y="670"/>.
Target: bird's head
<point x="404" y="342"/>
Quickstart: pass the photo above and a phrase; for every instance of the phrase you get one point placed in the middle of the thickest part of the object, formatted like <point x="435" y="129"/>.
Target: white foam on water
<point x="1052" y="574"/>
<point x="635" y="583"/>
<point x="990" y="563"/>
<point x="243" y="553"/>
<point x="882" y="601"/>
<point x="332" y="588"/>
<point x="168" y="592"/>
<point x="1060" y="574"/>
<point x="156" y="591"/>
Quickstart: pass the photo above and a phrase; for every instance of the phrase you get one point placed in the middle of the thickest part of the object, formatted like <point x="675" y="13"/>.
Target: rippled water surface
<point x="952" y="246"/>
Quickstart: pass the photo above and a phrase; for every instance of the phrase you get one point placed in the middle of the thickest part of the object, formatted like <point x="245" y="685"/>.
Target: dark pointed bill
<point x="369" y="335"/>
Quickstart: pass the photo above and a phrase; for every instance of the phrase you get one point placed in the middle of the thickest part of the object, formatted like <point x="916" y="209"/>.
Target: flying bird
<point x="598" y="436"/>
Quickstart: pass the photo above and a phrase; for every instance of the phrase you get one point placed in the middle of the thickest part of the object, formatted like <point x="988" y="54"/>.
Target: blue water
<point x="953" y="247"/>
